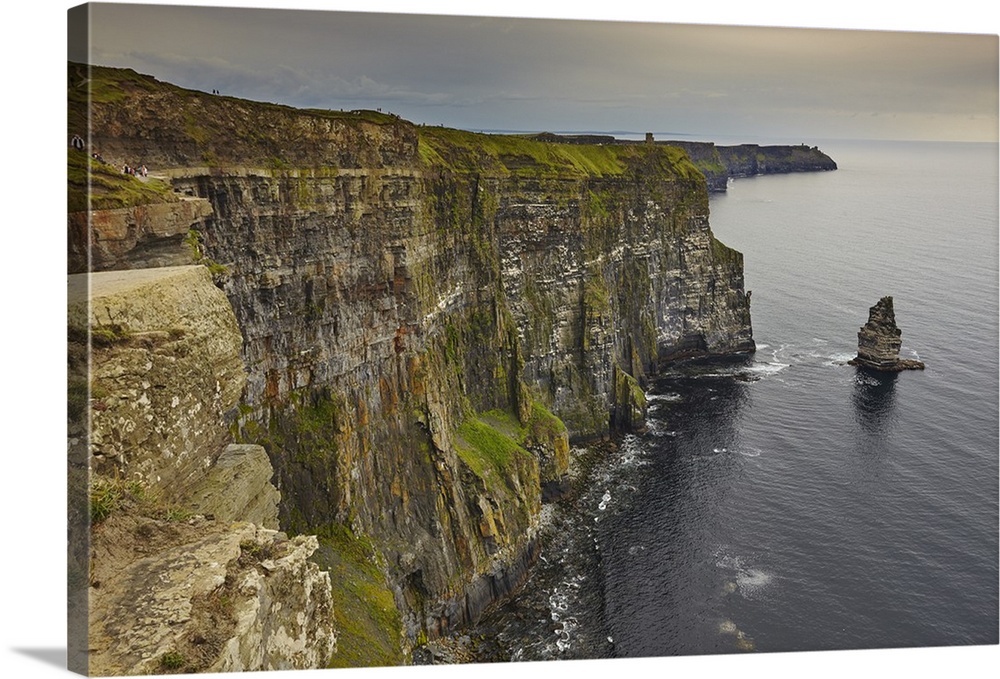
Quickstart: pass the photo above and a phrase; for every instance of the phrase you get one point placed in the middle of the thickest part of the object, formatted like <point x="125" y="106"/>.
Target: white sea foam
<point x="866" y="380"/>
<point x="767" y="368"/>
<point x="751" y="580"/>
<point x="664" y="397"/>
<point x="840" y="358"/>
<point x="655" y="427"/>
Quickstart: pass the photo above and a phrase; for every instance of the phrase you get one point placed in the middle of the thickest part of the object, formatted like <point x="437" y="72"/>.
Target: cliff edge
<point x="182" y="567"/>
<point x="428" y="319"/>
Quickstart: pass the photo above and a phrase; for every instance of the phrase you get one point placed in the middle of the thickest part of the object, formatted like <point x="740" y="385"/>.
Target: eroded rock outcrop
<point x="204" y="596"/>
<point x="184" y="570"/>
<point x="142" y="236"/>
<point x="165" y="373"/>
<point x="237" y="487"/>
<point x="879" y="341"/>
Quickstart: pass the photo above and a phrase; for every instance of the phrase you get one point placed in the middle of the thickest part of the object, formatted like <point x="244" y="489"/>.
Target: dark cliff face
<point x="722" y="163"/>
<point x="429" y="316"/>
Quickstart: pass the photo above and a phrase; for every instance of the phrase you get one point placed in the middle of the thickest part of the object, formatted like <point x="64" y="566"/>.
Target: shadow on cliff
<point x="874" y="401"/>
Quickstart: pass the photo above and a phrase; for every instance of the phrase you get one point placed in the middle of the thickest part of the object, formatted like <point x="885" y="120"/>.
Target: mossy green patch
<point x="195" y="242"/>
<point x="722" y="253"/>
<point x="543" y="425"/>
<point x="630" y="401"/>
<point x="172" y="660"/>
<point x="368" y="624"/>
<point x="109" y="334"/>
<point x="109" y="188"/>
<point x="596" y="295"/>
<point x="487" y="451"/>
<point x="495" y="443"/>
<point x="519" y="155"/>
<point x="112" y="494"/>
<point x="109" y="495"/>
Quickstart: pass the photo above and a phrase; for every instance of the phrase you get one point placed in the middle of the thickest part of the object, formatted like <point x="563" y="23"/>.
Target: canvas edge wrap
<point x="78" y="432"/>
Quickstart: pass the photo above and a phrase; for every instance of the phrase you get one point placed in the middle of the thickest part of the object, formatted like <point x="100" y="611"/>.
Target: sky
<point x="682" y="80"/>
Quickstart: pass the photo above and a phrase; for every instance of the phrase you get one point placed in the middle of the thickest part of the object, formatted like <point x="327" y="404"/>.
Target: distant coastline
<point x="720" y="163"/>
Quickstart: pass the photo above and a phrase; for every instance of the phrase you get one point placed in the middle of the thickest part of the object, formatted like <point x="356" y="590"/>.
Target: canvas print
<point x="409" y="340"/>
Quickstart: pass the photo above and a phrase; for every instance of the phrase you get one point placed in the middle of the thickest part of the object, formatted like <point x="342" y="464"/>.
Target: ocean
<point x="790" y="502"/>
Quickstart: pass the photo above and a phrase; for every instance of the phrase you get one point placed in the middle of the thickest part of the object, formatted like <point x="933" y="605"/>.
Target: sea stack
<point x="879" y="340"/>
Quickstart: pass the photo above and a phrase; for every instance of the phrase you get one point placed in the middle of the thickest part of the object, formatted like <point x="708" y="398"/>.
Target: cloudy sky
<point x="702" y="81"/>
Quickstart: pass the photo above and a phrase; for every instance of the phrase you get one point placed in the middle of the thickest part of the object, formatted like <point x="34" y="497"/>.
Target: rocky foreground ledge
<point x="879" y="341"/>
<point x="182" y="568"/>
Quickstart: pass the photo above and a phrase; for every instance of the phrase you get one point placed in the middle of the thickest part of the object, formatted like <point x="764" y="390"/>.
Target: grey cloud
<point x="506" y="73"/>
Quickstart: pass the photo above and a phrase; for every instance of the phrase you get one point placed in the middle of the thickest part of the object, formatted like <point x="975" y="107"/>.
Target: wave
<point x="767" y="368"/>
<point x="656" y="428"/>
<point x="669" y="397"/>
<point x="839" y="359"/>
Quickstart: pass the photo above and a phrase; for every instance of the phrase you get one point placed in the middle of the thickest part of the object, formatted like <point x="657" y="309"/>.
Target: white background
<point x="32" y="391"/>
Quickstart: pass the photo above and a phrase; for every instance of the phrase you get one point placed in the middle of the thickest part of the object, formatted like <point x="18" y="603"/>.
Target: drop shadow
<point x="50" y="656"/>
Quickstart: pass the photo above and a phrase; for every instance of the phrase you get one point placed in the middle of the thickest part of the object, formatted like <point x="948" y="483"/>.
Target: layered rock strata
<point x="879" y="341"/>
<point x="142" y="236"/>
<point x="184" y="569"/>
<point x="430" y="316"/>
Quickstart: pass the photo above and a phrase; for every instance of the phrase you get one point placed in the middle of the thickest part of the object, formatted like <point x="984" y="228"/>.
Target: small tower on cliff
<point x="649" y="139"/>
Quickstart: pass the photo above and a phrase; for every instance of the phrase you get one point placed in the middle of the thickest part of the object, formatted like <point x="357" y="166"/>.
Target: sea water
<point x="790" y="502"/>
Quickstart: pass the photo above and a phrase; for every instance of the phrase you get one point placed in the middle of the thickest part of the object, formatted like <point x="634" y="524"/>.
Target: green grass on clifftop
<point x="110" y="188"/>
<point x="512" y="154"/>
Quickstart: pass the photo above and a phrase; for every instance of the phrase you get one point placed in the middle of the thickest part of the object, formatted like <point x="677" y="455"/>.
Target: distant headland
<point x="719" y="164"/>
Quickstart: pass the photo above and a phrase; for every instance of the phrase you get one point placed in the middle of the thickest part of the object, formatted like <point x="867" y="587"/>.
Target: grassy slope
<point x="511" y="154"/>
<point x="369" y="628"/>
<point x="110" y="188"/>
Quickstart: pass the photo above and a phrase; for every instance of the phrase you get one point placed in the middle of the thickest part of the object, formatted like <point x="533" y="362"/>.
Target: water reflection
<point x="874" y="400"/>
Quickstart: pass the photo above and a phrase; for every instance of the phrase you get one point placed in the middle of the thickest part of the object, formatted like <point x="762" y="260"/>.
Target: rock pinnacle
<point x="879" y="341"/>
